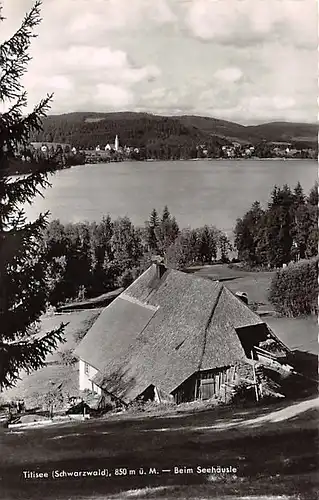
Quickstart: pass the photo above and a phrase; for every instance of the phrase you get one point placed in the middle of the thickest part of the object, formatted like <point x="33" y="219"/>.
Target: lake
<point x="196" y="192"/>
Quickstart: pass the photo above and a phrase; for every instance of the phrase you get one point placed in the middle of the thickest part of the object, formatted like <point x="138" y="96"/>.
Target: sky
<point x="248" y="61"/>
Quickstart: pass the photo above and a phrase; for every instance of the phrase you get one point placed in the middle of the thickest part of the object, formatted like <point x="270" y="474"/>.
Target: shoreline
<point x="17" y="174"/>
<point x="197" y="159"/>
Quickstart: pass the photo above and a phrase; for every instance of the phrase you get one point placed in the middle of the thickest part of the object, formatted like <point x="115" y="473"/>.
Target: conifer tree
<point x="278" y="234"/>
<point x="126" y="245"/>
<point x="151" y="225"/>
<point x="22" y="269"/>
<point x="166" y="214"/>
<point x="166" y="232"/>
<point x="247" y="234"/>
<point x="312" y="198"/>
<point x="208" y="238"/>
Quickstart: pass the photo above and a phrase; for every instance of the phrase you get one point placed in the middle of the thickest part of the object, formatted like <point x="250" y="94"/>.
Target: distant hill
<point x="86" y="130"/>
<point x="275" y="131"/>
<point x="287" y="131"/>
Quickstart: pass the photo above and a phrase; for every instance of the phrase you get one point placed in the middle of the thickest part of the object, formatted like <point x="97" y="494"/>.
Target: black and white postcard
<point x="158" y="250"/>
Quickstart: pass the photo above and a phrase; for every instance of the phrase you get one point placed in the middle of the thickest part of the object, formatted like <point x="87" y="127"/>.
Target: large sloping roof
<point x="162" y="330"/>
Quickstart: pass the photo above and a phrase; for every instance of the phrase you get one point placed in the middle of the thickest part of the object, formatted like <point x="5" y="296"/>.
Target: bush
<point x="242" y="393"/>
<point x="67" y="357"/>
<point x="140" y="406"/>
<point x="294" y="289"/>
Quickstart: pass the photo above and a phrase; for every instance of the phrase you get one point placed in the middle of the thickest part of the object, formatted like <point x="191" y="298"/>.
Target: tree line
<point x="26" y="159"/>
<point x="285" y="230"/>
<point x="87" y="259"/>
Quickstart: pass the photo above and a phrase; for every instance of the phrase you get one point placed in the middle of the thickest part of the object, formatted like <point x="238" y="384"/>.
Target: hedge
<point x="294" y="289"/>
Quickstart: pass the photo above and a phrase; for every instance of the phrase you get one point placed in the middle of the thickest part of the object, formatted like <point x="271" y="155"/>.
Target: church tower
<point x="116" y="143"/>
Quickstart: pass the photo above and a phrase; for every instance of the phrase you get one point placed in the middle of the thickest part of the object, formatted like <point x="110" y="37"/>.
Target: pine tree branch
<point x="26" y="355"/>
<point x="14" y="129"/>
<point x="14" y="57"/>
<point x="23" y="282"/>
<point x="14" y="242"/>
<point x="31" y="19"/>
<point x="17" y="319"/>
<point x="21" y="191"/>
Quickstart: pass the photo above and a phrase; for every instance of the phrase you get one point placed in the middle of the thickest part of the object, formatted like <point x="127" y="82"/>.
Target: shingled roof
<point x="162" y="330"/>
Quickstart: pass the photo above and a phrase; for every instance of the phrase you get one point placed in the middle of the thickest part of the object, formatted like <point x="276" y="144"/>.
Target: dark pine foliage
<point x="22" y="280"/>
<point x="285" y="231"/>
<point x="87" y="259"/>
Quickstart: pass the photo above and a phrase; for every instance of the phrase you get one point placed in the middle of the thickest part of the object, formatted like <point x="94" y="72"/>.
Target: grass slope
<point x="32" y="388"/>
<point x="274" y="450"/>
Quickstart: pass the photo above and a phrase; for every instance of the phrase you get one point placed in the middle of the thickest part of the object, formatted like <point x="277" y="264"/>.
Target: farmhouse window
<point x="86" y="368"/>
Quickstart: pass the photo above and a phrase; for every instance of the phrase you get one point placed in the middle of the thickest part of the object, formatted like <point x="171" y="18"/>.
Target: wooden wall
<point x="215" y="382"/>
<point x="187" y="391"/>
<point x="205" y="385"/>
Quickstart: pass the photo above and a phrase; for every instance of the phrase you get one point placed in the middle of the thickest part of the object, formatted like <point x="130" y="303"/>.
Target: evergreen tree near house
<point x="286" y="231"/>
<point x="183" y="252"/>
<point x="248" y="234"/>
<point x="101" y="255"/>
<point x="198" y="246"/>
<point x="312" y="210"/>
<point x="300" y="223"/>
<point x="279" y="223"/>
<point x="23" y="287"/>
<point x="208" y="238"/>
<point x="54" y="244"/>
<point x="151" y="225"/>
<point x="166" y="232"/>
<point x="126" y="246"/>
<point x="224" y="247"/>
<point x="312" y="198"/>
<point x="166" y="214"/>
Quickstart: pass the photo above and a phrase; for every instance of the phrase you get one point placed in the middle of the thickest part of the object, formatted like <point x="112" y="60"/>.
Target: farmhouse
<point x="170" y="336"/>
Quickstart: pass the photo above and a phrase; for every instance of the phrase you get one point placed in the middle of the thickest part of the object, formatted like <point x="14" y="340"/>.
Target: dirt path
<point x="272" y="417"/>
<point x="286" y="413"/>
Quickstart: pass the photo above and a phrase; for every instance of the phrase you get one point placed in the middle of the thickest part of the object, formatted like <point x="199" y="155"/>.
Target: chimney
<point x="160" y="266"/>
<point x="242" y="296"/>
<point x="160" y="270"/>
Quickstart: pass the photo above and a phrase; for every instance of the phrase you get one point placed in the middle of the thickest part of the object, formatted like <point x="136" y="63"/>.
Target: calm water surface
<point x="196" y="192"/>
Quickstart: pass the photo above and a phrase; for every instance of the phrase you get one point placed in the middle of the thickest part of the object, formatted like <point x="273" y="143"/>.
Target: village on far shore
<point x="68" y="155"/>
<point x="234" y="150"/>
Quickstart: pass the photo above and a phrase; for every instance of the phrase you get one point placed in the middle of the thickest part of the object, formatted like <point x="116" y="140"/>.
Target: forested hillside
<point x="86" y="130"/>
<point x="306" y="133"/>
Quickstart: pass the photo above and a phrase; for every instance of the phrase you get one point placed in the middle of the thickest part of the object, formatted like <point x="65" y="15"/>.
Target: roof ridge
<point x="243" y="303"/>
<point x="208" y="322"/>
<point x="129" y="298"/>
<point x="139" y="277"/>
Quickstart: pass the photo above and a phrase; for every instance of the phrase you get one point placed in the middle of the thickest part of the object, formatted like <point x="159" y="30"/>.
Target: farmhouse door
<point x="207" y="388"/>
